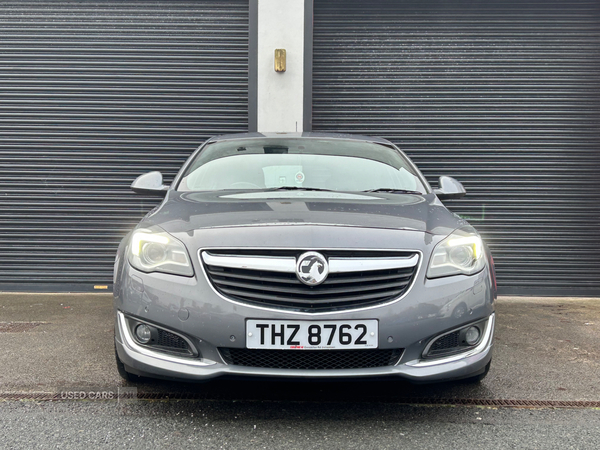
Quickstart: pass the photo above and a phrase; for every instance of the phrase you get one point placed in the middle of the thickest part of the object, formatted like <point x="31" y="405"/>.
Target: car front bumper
<point x="212" y="322"/>
<point x="143" y="361"/>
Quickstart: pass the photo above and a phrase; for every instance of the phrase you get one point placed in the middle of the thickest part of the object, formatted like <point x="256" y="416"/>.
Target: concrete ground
<point x="545" y="349"/>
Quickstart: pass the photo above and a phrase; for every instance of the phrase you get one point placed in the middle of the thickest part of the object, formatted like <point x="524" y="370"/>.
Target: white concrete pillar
<point x="280" y="96"/>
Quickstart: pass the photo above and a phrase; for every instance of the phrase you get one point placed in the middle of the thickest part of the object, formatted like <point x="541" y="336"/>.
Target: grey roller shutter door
<point x="92" y="94"/>
<point x="503" y="95"/>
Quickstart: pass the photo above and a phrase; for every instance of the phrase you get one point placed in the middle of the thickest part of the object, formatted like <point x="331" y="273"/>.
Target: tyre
<point x="121" y="369"/>
<point x="480" y="377"/>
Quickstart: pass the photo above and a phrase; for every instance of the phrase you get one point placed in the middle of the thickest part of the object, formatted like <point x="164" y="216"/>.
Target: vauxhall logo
<point x="312" y="268"/>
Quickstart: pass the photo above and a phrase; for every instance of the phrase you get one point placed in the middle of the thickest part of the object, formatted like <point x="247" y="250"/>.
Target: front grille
<point x="283" y="290"/>
<point x="311" y="359"/>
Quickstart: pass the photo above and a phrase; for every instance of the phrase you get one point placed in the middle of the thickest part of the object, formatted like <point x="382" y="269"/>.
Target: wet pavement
<point x="545" y="349"/>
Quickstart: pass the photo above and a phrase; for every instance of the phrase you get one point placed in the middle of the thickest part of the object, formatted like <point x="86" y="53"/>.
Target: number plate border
<point x="338" y="322"/>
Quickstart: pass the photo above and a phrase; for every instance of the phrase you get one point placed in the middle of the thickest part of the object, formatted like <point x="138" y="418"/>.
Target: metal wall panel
<point x="93" y="94"/>
<point x="502" y="94"/>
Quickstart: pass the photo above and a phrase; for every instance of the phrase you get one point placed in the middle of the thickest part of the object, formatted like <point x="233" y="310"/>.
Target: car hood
<point x="187" y="211"/>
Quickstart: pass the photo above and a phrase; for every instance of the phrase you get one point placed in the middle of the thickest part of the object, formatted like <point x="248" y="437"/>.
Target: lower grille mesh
<point x="166" y="339"/>
<point x="451" y="340"/>
<point x="311" y="359"/>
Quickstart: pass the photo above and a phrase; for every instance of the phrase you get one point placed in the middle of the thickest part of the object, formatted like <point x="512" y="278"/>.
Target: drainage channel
<point x="506" y="403"/>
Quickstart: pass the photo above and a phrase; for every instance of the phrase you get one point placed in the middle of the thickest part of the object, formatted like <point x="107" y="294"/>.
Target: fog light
<point x="143" y="333"/>
<point x="472" y="335"/>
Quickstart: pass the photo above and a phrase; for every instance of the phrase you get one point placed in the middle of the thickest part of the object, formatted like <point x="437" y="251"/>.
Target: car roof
<point x="304" y="135"/>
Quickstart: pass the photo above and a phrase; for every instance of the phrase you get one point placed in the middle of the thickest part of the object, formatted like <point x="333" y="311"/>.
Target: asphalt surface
<point x="545" y="349"/>
<point x="290" y="425"/>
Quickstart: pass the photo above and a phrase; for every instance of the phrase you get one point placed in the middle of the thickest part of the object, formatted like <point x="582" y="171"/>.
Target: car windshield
<point x="309" y="163"/>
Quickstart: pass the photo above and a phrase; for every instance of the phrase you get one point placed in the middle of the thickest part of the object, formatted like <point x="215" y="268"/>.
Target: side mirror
<point x="449" y="188"/>
<point x="150" y="183"/>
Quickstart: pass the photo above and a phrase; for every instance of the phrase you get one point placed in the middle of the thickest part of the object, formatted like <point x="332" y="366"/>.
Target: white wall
<point x="280" y="95"/>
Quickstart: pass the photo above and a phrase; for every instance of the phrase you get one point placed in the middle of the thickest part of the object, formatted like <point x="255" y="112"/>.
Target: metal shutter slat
<point x="503" y="95"/>
<point x="92" y="94"/>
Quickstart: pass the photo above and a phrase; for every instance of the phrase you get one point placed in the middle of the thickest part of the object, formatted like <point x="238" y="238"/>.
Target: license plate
<point x="306" y="335"/>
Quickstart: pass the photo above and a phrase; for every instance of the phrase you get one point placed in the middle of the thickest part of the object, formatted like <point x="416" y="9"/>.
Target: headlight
<point x="154" y="250"/>
<point x="459" y="253"/>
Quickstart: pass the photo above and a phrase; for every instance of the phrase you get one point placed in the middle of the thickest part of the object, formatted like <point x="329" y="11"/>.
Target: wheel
<point x="480" y="377"/>
<point x="121" y="369"/>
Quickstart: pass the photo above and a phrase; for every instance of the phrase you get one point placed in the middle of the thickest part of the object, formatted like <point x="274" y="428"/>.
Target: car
<point x="303" y="255"/>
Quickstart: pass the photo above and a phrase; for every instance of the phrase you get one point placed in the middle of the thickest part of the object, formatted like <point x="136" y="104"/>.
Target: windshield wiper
<point x="298" y="188"/>
<point x="394" y="191"/>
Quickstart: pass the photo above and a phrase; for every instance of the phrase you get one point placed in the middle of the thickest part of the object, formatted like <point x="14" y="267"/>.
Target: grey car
<point x="302" y="255"/>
